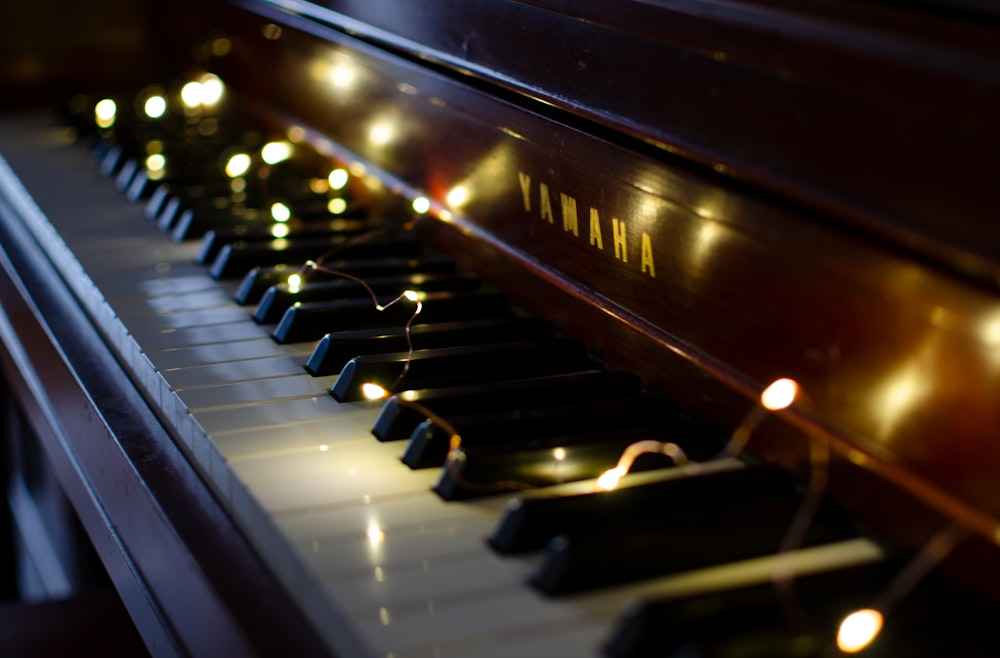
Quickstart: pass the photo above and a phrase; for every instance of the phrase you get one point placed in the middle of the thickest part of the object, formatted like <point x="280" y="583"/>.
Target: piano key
<point x="458" y="365"/>
<point x="231" y="371"/>
<point x="403" y="412"/>
<point x="243" y="393"/>
<point x="259" y="279"/>
<point x="335" y="349"/>
<point x="623" y="550"/>
<point x="170" y="303"/>
<point x="312" y="321"/>
<point x="238" y="258"/>
<point x="524" y="427"/>
<point x="228" y="226"/>
<point x="529" y="522"/>
<point x="481" y="471"/>
<point x="277" y="299"/>
<point x="184" y="318"/>
<point x="175" y="357"/>
<point x="235" y="332"/>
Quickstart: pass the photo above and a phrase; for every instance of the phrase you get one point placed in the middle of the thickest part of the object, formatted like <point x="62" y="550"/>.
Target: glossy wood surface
<point x="720" y="287"/>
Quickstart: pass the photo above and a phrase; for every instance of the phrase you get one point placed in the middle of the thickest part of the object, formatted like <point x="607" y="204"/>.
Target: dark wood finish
<point x="896" y="352"/>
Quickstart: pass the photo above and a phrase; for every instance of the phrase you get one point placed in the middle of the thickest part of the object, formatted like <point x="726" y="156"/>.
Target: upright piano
<point x="557" y="235"/>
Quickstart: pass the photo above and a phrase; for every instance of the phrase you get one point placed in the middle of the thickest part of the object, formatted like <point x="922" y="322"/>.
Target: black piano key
<point x="335" y="349"/>
<point x="529" y="523"/>
<point x="279" y="298"/>
<point x="259" y="279"/>
<point x="752" y="524"/>
<point x="755" y="617"/>
<point x="526" y="427"/>
<point x="401" y="413"/>
<point x="312" y="321"/>
<point x="128" y="171"/>
<point x="486" y="470"/>
<point x="936" y="619"/>
<point x="156" y="201"/>
<point x="238" y="258"/>
<point x="459" y="365"/>
<point x="141" y="187"/>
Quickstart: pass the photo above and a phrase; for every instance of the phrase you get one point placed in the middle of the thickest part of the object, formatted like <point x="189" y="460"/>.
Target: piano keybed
<point x="378" y="562"/>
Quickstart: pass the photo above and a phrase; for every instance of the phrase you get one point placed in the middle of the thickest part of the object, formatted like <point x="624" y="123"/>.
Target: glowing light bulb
<point x="457" y="196"/>
<point x="373" y="391"/>
<point x="858" y="630"/>
<point x="156" y="162"/>
<point x="192" y="94"/>
<point x="610" y="478"/>
<point x="280" y="231"/>
<point x="155" y="106"/>
<point x="421" y="205"/>
<point x="237" y="165"/>
<point x="105" y="113"/>
<point x="280" y="212"/>
<point x="413" y="295"/>
<point x="324" y="448"/>
<point x="338" y="178"/>
<point x="212" y="89"/>
<point x="375" y="534"/>
<point x="336" y="206"/>
<point x="274" y="152"/>
<point x="780" y="394"/>
<point x="294" y="283"/>
<point x="559" y="454"/>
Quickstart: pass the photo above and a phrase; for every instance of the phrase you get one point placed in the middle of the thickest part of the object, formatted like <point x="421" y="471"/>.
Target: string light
<point x="105" y="113"/>
<point x="421" y="205"/>
<point x="610" y="478"/>
<point x="859" y="629"/>
<point x="338" y="179"/>
<point x="862" y="627"/>
<point x="238" y="164"/>
<point x="779" y="394"/>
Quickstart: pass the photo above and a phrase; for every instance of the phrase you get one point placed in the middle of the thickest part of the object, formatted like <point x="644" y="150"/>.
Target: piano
<point x="591" y="226"/>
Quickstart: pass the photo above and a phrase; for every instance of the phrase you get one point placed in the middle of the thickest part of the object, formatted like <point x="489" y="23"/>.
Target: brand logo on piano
<point x="611" y="236"/>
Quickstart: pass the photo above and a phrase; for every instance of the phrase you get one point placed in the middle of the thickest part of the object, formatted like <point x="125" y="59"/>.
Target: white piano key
<point x="230" y="332"/>
<point x="181" y="319"/>
<point x="185" y="301"/>
<point x="264" y="414"/>
<point x="231" y="371"/>
<point x="195" y="355"/>
<point x="242" y="393"/>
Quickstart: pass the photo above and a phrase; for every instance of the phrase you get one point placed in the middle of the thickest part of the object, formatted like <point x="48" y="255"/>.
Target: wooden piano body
<point x="711" y="194"/>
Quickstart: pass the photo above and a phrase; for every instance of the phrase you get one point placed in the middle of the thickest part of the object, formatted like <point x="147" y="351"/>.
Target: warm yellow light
<point x="237" y="165"/>
<point x="192" y="94"/>
<point x="457" y="196"/>
<point x="155" y="106"/>
<point x="156" y="162"/>
<point x="413" y="295"/>
<point x="294" y="283"/>
<point x="336" y="206"/>
<point x="274" y="152"/>
<point x="375" y="534"/>
<point x="559" y="454"/>
<point x="105" y="112"/>
<point x="221" y="46"/>
<point x="212" y="89"/>
<point x="609" y="479"/>
<point x="421" y="205"/>
<point x="280" y="230"/>
<point x="381" y="134"/>
<point x="779" y="395"/>
<point x="324" y="448"/>
<point x="280" y="212"/>
<point x="373" y="391"/>
<point x="858" y="630"/>
<point x="338" y="178"/>
<point x="342" y="75"/>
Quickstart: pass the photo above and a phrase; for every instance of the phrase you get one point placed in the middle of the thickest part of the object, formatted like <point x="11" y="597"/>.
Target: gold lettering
<point x="647" y="256"/>
<point x="525" y="181"/>
<point x="618" y="233"/>
<point x="595" y="230"/>
<point x="569" y="214"/>
<point x="545" y="203"/>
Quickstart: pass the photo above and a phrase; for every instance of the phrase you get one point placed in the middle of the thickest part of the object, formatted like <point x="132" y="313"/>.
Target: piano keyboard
<point x="380" y="564"/>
